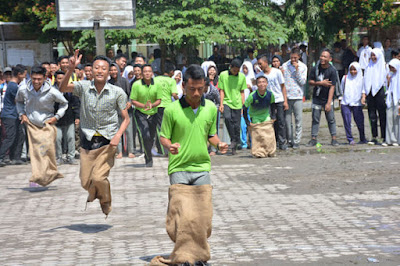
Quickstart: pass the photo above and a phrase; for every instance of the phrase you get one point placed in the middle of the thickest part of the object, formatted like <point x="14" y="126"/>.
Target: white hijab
<point x="353" y="86"/>
<point x="179" y="84"/>
<point x="206" y="65"/>
<point x="375" y="73"/>
<point x="127" y="70"/>
<point x="250" y="74"/>
<point x="394" y="85"/>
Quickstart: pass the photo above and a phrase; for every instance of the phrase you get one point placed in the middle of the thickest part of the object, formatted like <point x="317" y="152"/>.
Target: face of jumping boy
<point x="37" y="81"/>
<point x="262" y="84"/>
<point x="100" y="71"/>
<point x="194" y="90"/>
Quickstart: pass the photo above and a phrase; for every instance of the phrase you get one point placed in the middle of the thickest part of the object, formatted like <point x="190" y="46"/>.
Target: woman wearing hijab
<point x="352" y="85"/>
<point x="212" y="74"/>
<point x="178" y="78"/>
<point x="117" y="80"/>
<point x="392" y="103"/>
<point x="374" y="93"/>
<point x="247" y="70"/>
<point x="128" y="74"/>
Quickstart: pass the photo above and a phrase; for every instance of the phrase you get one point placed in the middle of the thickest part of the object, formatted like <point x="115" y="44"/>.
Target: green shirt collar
<point x="151" y="82"/>
<point x="185" y="104"/>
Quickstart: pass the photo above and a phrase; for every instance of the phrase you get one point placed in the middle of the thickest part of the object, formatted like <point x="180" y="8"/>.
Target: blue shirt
<point x="9" y="107"/>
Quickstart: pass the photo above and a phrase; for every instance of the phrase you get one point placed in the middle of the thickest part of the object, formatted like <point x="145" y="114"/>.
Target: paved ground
<point x="331" y="206"/>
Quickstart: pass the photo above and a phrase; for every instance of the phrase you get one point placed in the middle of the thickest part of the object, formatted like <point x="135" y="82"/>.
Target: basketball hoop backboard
<point x="83" y="14"/>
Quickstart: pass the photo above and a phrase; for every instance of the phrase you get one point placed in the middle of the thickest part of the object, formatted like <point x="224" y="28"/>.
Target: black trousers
<point x="14" y="138"/>
<point x="160" y="114"/>
<point x="232" y="121"/>
<point x="96" y="142"/>
<point x="147" y="125"/>
<point x="377" y="106"/>
<point x="280" y="125"/>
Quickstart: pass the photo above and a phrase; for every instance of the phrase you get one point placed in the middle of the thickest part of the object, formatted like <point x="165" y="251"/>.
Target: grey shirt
<point x="99" y="111"/>
<point x="38" y="106"/>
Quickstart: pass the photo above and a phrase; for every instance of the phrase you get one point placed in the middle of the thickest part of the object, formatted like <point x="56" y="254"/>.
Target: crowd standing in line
<point x="95" y="110"/>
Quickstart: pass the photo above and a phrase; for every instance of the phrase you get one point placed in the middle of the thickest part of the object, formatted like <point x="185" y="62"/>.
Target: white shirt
<point x="275" y="80"/>
<point x="364" y="53"/>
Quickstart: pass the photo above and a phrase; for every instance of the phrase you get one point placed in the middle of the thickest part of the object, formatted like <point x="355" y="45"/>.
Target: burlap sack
<point x="263" y="143"/>
<point x="189" y="223"/>
<point x="42" y="150"/>
<point x="95" y="168"/>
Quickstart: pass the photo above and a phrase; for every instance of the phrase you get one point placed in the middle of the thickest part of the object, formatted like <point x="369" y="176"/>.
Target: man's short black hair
<point x="327" y="50"/>
<point x="88" y="65"/>
<point x="337" y="45"/>
<point x="194" y="72"/>
<point x="394" y="53"/>
<point x="295" y="51"/>
<point x="59" y="72"/>
<point x="146" y="65"/>
<point x="169" y="67"/>
<point x="53" y="63"/>
<point x="18" y="69"/>
<point x="263" y="57"/>
<point x="250" y="51"/>
<point x="119" y="56"/>
<point x="103" y="58"/>
<point x="261" y="75"/>
<point x="365" y="36"/>
<point x="38" y="70"/>
<point x="141" y="56"/>
<point x="236" y="63"/>
<point x="137" y="65"/>
<point x="45" y="63"/>
<point x="134" y="54"/>
<point x="62" y="58"/>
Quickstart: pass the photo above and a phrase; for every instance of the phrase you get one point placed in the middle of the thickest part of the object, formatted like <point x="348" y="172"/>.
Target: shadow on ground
<point x="84" y="228"/>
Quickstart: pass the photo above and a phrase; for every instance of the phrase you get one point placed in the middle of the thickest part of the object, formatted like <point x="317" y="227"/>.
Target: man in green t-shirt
<point x="258" y="104"/>
<point x="232" y="84"/>
<point x="168" y="88"/>
<point x="187" y="126"/>
<point x="146" y="97"/>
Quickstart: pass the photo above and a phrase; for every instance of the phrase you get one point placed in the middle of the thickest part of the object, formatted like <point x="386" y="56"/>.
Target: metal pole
<point x="4" y="48"/>
<point x="100" y="39"/>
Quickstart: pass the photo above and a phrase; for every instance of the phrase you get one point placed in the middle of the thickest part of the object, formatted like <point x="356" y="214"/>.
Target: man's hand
<point x="223" y="147"/>
<point x="326" y="83"/>
<point x="363" y="99"/>
<point x="148" y="106"/>
<point x="285" y="106"/>
<point x="128" y="105"/>
<point x="51" y="121"/>
<point x="24" y="119"/>
<point x="328" y="107"/>
<point x="77" y="121"/>
<point x="221" y="108"/>
<point x="174" y="148"/>
<point x="296" y="65"/>
<point x="115" y="140"/>
<point x="75" y="60"/>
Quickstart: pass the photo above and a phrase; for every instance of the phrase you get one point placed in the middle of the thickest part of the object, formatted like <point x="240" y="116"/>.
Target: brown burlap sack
<point x="189" y="222"/>
<point x="95" y="168"/>
<point x="263" y="143"/>
<point x="42" y="150"/>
